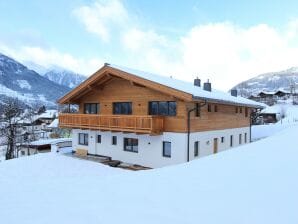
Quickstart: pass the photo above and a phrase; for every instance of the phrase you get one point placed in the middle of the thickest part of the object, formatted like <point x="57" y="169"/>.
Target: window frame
<point x="114" y="140"/>
<point x="89" y="107"/>
<point x="164" y="153"/>
<point x="98" y="139"/>
<point x="121" y="108"/>
<point x="85" y="138"/>
<point x="231" y="140"/>
<point x="209" y="108"/>
<point x="222" y="139"/>
<point x="196" y="148"/>
<point x="128" y="145"/>
<point x="154" y="108"/>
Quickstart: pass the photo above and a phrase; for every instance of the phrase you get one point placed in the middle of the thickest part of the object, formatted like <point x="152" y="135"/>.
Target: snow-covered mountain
<point x="269" y="82"/>
<point x="64" y="77"/>
<point x="16" y="80"/>
<point x="57" y="74"/>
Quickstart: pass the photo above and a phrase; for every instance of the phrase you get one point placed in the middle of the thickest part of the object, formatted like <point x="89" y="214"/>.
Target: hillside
<point x="255" y="183"/>
<point x="269" y="82"/>
<point x="64" y="77"/>
<point x="16" y="80"/>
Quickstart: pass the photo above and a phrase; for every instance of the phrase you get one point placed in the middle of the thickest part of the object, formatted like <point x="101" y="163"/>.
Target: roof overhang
<point x="107" y="71"/>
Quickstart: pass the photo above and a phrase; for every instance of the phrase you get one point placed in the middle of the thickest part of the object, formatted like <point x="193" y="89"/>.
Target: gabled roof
<point x="178" y="88"/>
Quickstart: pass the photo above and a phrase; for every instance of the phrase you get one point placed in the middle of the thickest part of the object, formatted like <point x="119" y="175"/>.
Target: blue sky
<point x="225" y="41"/>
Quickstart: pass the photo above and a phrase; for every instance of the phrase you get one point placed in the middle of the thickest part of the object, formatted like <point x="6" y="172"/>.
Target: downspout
<point x="188" y="124"/>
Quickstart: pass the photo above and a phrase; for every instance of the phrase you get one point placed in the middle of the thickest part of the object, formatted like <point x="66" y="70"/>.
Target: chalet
<point x="141" y="118"/>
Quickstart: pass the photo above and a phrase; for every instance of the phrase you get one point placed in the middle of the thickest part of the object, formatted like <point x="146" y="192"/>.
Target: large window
<point x="166" y="108"/>
<point x="83" y="139"/>
<point x="196" y="148"/>
<point x="166" y="149"/>
<point x="91" y="108"/>
<point x="131" y="144"/>
<point x="122" y="108"/>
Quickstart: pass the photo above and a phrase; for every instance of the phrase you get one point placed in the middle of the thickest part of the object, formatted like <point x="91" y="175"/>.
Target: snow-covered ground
<point x="290" y="113"/>
<point x="255" y="183"/>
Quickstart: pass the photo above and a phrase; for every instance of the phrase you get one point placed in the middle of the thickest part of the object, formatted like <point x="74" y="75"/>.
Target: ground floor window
<point x="231" y="141"/>
<point x="166" y="149"/>
<point x="83" y="139"/>
<point x="114" y="140"/>
<point x="245" y="137"/>
<point x="131" y="144"/>
<point x="98" y="138"/>
<point x="222" y="139"/>
<point x="196" y="148"/>
<point x="240" y="139"/>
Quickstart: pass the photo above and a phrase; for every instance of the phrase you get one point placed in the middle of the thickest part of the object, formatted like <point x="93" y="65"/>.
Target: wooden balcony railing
<point x="125" y="123"/>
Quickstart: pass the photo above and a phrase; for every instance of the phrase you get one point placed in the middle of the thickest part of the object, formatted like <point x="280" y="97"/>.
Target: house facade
<point x="154" y="121"/>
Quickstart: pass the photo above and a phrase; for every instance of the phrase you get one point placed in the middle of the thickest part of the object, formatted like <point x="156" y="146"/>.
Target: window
<point x="166" y="149"/>
<point x="209" y="107"/>
<point x="222" y="139"/>
<point x="236" y="110"/>
<point x="197" y="114"/>
<point x="231" y="141"/>
<point x="166" y="108"/>
<point x="240" y="109"/>
<point x="196" y="148"/>
<point x="83" y="139"/>
<point x="98" y="138"/>
<point x="245" y="137"/>
<point x="131" y="144"/>
<point x="122" y="108"/>
<point x="215" y="108"/>
<point x="114" y="140"/>
<point x="246" y="112"/>
<point x="240" y="139"/>
<point x="91" y="108"/>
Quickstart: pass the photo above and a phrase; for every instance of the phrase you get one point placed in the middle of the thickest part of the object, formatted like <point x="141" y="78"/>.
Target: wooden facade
<point x="112" y="86"/>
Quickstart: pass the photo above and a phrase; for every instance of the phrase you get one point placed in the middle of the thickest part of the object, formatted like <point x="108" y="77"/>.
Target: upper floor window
<point x="167" y="108"/>
<point x="240" y="109"/>
<point x="215" y="108"/>
<point x="246" y="112"/>
<point x="122" y="108"/>
<point x="83" y="139"/>
<point x="209" y="107"/>
<point x="236" y="109"/>
<point x="91" y="108"/>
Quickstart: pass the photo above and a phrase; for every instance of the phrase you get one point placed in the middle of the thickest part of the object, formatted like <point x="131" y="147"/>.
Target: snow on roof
<point x="50" y="141"/>
<point x="48" y="114"/>
<point x="188" y="87"/>
<point x="275" y="109"/>
<point x="54" y="124"/>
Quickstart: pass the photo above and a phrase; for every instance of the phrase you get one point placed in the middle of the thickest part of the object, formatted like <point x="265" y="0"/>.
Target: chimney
<point x="106" y="64"/>
<point x="234" y="92"/>
<point x="197" y="82"/>
<point x="207" y="86"/>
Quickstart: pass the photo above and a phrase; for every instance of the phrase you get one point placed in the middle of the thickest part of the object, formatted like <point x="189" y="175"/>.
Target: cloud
<point x="52" y="57"/>
<point x="100" y="17"/>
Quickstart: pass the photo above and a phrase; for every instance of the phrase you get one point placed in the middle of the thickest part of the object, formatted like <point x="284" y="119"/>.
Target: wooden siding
<point x="121" y="90"/>
<point x="225" y="118"/>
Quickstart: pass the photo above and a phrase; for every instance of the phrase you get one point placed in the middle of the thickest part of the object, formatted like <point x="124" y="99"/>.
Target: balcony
<point x="152" y="125"/>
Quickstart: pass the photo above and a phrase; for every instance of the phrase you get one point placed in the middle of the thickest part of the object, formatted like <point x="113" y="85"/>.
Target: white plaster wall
<point x="206" y="140"/>
<point x="150" y="147"/>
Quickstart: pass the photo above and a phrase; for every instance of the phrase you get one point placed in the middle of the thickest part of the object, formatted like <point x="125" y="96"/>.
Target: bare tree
<point x="10" y="117"/>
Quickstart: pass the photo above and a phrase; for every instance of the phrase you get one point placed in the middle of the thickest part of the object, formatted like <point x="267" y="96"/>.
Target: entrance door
<point x="215" y="145"/>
